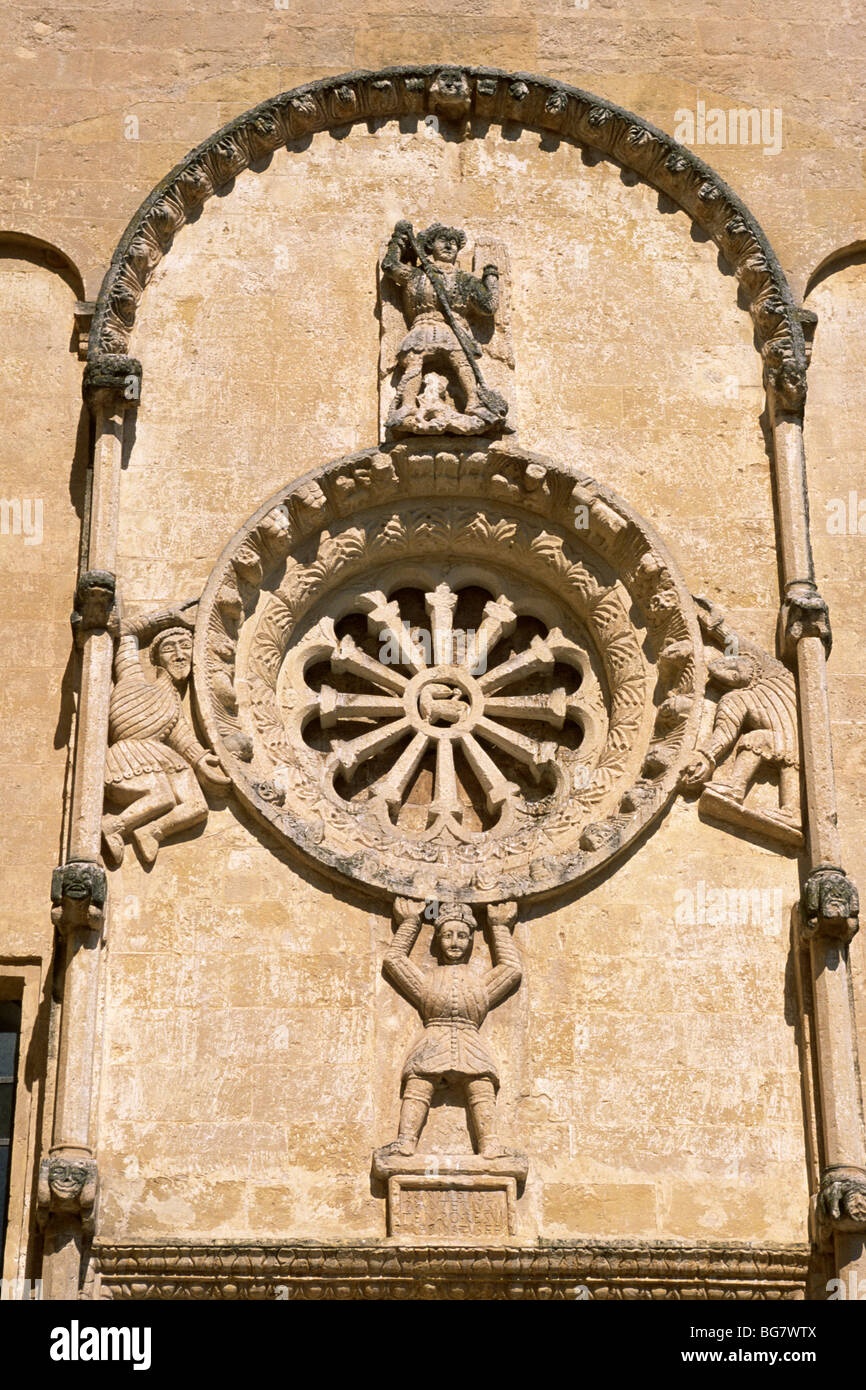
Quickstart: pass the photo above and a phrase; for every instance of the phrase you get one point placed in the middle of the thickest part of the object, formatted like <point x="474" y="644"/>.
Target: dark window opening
<point x="10" y="1032"/>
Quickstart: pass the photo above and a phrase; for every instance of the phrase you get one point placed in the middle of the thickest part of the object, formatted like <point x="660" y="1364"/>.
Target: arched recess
<point x="163" y="518"/>
<point x="458" y="96"/>
<point x="836" y="261"/>
<point x="15" y="245"/>
<point x="43" y="452"/>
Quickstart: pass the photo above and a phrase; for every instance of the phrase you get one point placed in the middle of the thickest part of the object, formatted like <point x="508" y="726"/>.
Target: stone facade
<point x="446" y="641"/>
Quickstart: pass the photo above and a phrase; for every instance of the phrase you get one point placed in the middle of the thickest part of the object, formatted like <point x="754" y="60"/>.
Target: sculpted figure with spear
<point x="440" y="302"/>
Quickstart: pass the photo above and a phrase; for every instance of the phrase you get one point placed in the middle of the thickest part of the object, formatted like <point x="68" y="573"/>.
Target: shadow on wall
<point x="43" y="463"/>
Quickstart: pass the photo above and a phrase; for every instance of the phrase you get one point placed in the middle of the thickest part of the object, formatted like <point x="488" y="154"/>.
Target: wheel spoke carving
<point x="351" y="659"/>
<point x="386" y="623"/>
<point x="449" y="702"/>
<point x="348" y="754"/>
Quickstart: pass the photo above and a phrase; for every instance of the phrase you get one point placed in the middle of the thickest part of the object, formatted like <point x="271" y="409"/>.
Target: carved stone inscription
<point x="451" y="1197"/>
<point x="451" y="1208"/>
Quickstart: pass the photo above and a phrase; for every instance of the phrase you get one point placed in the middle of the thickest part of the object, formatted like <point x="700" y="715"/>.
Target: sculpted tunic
<point x="453" y="1003"/>
<point x="764" y="717"/>
<point x="147" y="728"/>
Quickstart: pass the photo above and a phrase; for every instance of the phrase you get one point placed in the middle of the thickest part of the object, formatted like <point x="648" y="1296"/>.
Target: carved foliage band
<point x="607" y="1270"/>
<point x="458" y="95"/>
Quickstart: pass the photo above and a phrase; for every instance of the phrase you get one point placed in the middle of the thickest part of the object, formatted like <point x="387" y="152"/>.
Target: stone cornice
<point x="608" y="1269"/>
<point x="460" y="96"/>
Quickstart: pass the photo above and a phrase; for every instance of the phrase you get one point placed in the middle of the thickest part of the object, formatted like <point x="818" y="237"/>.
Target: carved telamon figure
<point x="154" y="761"/>
<point x="756" y="720"/>
<point x="453" y="1003"/>
<point x="440" y="302"/>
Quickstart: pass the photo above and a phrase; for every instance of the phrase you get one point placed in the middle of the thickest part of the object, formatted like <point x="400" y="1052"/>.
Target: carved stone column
<point x="829" y="922"/>
<point x="829" y="905"/>
<point x="68" y="1178"/>
<point x="111" y="385"/>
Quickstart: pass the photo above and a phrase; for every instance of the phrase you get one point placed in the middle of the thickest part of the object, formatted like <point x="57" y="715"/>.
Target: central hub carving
<point x="442" y="701"/>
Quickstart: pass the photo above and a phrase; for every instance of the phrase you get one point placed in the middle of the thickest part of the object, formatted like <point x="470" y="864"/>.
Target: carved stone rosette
<point x="447" y="670"/>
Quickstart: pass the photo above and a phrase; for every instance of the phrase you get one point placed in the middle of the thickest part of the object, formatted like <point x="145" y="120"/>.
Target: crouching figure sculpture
<point x="154" y="762"/>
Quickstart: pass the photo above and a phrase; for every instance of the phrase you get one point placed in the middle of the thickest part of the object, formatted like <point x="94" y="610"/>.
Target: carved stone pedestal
<point x="715" y="804"/>
<point x="451" y="1197"/>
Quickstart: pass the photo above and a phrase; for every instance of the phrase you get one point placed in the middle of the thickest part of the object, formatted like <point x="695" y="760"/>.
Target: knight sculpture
<point x="439" y="355"/>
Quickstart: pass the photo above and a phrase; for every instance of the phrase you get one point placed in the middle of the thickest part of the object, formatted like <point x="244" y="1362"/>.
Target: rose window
<point x="449" y="670"/>
<point x="445" y="709"/>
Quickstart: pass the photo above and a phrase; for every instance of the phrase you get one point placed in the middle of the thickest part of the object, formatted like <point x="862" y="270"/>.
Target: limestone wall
<point x="42" y="467"/>
<point x="251" y="1049"/>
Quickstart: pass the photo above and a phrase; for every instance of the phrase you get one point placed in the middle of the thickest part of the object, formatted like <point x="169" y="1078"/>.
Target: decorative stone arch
<point x="458" y="96"/>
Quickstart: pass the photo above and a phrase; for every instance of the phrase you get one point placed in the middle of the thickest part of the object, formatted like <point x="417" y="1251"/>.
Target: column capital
<point x="111" y="382"/>
<point x="841" y="1203"/>
<point x="830" y="905"/>
<point x="804" y="613"/>
<point x="94" y="608"/>
<point x="78" y="892"/>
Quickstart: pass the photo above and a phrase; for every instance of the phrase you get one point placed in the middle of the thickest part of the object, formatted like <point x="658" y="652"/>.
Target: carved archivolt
<point x="460" y="96"/>
<point x="450" y="672"/>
